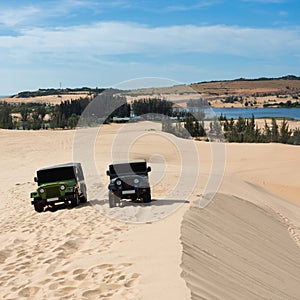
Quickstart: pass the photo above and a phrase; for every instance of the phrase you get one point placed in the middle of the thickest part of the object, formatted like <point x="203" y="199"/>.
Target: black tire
<point x="134" y="198"/>
<point x="113" y="199"/>
<point x="83" y="199"/>
<point x="39" y="206"/>
<point x="147" y="196"/>
<point x="75" y="200"/>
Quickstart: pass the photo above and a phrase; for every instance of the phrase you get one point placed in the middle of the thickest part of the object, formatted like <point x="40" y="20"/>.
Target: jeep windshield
<point x="128" y="168"/>
<point x="55" y="174"/>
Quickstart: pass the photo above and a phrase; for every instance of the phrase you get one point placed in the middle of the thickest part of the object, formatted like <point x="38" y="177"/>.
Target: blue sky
<point x="101" y="43"/>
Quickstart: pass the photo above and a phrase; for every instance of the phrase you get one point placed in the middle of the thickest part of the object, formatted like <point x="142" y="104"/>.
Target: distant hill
<point x="240" y="92"/>
<point x="287" y="77"/>
<point x="52" y="91"/>
<point x="289" y="84"/>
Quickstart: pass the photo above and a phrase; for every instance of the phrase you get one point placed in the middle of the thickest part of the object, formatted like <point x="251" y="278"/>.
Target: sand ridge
<point x="242" y="251"/>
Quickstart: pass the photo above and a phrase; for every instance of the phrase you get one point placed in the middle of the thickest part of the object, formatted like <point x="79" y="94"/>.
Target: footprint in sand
<point x="4" y="255"/>
<point x="61" y="283"/>
<point x="92" y="294"/>
<point x="80" y="277"/>
<point x="50" y="261"/>
<point x="105" y="291"/>
<point x="103" y="266"/>
<point x="51" y="269"/>
<point x="28" y="292"/>
<point x="67" y="289"/>
<point x="131" y="282"/>
<point x="78" y="271"/>
<point x="54" y="286"/>
<point x="59" y="274"/>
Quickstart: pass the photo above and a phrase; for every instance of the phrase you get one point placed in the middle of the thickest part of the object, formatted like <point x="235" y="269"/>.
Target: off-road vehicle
<point x="128" y="180"/>
<point x="59" y="184"/>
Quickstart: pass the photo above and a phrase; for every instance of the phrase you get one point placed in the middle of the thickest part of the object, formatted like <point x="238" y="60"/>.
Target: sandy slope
<point x="234" y="249"/>
<point x="91" y="253"/>
<point x="51" y="99"/>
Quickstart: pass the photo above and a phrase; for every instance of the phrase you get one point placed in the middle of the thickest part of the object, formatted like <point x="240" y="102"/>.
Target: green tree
<point x="167" y="125"/>
<point x="274" y="131"/>
<point x="250" y="135"/>
<point x="72" y="121"/>
<point x="285" y="133"/>
<point x="5" y="116"/>
<point x="267" y="133"/>
<point x="296" y="136"/>
<point x="189" y="125"/>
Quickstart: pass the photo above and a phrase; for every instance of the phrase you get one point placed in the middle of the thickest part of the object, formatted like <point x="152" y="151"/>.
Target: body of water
<point x="269" y="112"/>
<point x="259" y="112"/>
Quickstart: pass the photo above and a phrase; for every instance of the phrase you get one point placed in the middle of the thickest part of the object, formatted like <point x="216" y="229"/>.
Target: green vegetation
<point x="287" y="104"/>
<point x="152" y="105"/>
<point x="185" y="128"/>
<point x="245" y="131"/>
<point x="182" y="124"/>
<point x="65" y="115"/>
<point x="33" y="115"/>
<point x="5" y="116"/>
<point x="50" y="92"/>
<point x="242" y="130"/>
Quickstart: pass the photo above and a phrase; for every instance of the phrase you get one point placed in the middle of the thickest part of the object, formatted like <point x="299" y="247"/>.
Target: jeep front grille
<point x="52" y="192"/>
<point x="127" y="183"/>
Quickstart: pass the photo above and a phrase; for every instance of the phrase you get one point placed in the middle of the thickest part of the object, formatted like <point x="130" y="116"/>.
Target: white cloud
<point x="14" y="16"/>
<point x="88" y="54"/>
<point x="115" y="38"/>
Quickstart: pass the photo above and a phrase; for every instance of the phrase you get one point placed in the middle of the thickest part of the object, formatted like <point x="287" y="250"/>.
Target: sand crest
<point x="234" y="249"/>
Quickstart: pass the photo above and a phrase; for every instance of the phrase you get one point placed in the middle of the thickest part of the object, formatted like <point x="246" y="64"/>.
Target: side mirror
<point x="35" y="179"/>
<point x="149" y="169"/>
<point x="107" y="173"/>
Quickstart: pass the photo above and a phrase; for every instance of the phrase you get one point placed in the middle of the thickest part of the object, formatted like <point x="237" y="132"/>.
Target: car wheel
<point x="75" y="200"/>
<point x="113" y="199"/>
<point x="147" y="196"/>
<point x="83" y="199"/>
<point x="39" y="206"/>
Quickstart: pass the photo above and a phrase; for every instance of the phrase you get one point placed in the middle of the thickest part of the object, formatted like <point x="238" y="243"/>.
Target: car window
<point x="127" y="168"/>
<point x="55" y="174"/>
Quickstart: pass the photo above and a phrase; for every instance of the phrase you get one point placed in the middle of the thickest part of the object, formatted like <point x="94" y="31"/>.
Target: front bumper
<point x="53" y="200"/>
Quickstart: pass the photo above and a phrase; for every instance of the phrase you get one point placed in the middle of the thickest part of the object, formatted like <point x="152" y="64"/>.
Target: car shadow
<point x="65" y="206"/>
<point x="154" y="202"/>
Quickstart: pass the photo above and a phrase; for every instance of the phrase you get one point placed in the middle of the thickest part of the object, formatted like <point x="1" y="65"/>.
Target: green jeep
<point x="59" y="184"/>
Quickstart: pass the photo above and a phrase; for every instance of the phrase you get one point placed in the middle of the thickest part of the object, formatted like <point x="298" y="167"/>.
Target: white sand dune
<point x="91" y="252"/>
<point x="234" y="249"/>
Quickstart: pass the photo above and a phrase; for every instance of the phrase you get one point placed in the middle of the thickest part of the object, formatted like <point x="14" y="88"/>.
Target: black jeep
<point x="129" y="180"/>
<point x="61" y="183"/>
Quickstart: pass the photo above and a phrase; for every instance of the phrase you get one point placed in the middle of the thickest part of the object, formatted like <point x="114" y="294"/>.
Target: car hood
<point x="129" y="175"/>
<point x="68" y="183"/>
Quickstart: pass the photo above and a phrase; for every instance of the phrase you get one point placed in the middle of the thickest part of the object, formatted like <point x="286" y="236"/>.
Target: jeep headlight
<point x="41" y="190"/>
<point x="62" y="187"/>
<point x="136" y="180"/>
<point x="118" y="182"/>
